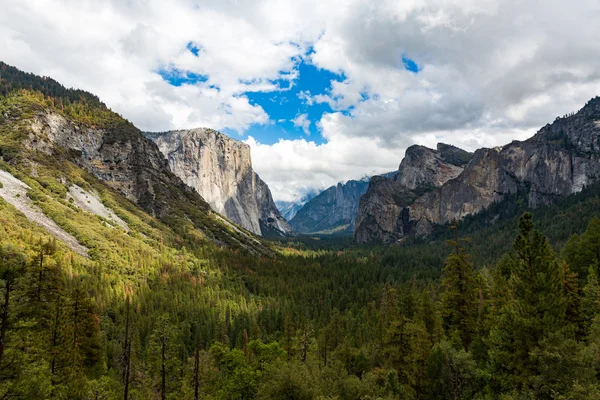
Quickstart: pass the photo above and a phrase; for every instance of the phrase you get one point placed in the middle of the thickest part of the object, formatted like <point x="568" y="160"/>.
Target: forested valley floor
<point x="323" y="319"/>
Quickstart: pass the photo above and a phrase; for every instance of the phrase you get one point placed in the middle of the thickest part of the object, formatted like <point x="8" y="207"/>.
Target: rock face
<point x="121" y="157"/>
<point x="220" y="170"/>
<point x="332" y="211"/>
<point x="381" y="213"/>
<point x="559" y="160"/>
<point x="288" y="209"/>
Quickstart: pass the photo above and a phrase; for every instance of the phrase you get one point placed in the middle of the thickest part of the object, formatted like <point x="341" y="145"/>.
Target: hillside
<point x="52" y="135"/>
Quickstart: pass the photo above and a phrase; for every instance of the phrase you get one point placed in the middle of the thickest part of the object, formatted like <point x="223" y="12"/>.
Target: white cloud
<point x="490" y="70"/>
<point x="302" y="121"/>
<point x="305" y="96"/>
<point x="291" y="167"/>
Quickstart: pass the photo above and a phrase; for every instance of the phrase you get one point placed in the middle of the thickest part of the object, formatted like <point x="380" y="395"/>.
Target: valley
<point x="157" y="265"/>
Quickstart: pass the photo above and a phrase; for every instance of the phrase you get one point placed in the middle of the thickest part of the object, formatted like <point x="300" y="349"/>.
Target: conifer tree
<point x="535" y="310"/>
<point x="12" y="265"/>
<point x="590" y="245"/>
<point x="590" y="303"/>
<point x="460" y="296"/>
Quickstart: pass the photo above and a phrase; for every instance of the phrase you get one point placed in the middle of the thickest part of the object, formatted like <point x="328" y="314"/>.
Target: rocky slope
<point x="52" y="135"/>
<point x="559" y="160"/>
<point x="381" y="215"/>
<point x="220" y="170"/>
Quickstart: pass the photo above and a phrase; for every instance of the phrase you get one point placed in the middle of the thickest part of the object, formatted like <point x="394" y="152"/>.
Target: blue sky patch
<point x="193" y="48"/>
<point x="293" y="100"/>
<point x="178" y="77"/>
<point x="410" y="65"/>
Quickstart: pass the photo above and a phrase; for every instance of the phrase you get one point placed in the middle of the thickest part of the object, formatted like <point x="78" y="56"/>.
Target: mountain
<point x="331" y="211"/>
<point x="62" y="139"/>
<point x="560" y="159"/>
<point x="380" y="215"/>
<point x="220" y="170"/>
<point x="288" y="209"/>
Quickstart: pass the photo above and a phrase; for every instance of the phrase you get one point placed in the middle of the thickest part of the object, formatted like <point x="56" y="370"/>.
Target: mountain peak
<point x="578" y="131"/>
<point x="424" y="167"/>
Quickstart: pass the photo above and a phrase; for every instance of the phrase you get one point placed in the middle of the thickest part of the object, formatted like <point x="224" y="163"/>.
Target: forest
<point x="408" y="322"/>
<point x="492" y="308"/>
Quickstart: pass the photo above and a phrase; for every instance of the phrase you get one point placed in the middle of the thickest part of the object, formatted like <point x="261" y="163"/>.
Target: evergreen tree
<point x="590" y="246"/>
<point x="12" y="265"/>
<point x="460" y="297"/>
<point x="536" y="310"/>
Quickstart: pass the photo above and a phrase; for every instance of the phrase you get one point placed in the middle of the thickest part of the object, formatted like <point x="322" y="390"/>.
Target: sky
<point x="322" y="91"/>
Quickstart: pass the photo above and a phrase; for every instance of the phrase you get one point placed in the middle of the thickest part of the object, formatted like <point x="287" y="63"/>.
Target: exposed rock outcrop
<point x="559" y="160"/>
<point x="332" y="211"/>
<point x="120" y="156"/>
<point x="220" y="170"/>
<point x="381" y="213"/>
<point x="14" y="192"/>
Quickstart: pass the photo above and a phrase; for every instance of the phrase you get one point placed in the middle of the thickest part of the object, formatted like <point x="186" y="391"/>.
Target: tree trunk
<point x="4" y="319"/>
<point x="126" y="354"/>
<point x="163" y="386"/>
<point x="197" y="373"/>
<point x="55" y="338"/>
<point x="40" y="276"/>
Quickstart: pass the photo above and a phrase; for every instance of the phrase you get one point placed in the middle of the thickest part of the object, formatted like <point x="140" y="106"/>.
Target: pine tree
<point x="590" y="246"/>
<point x="571" y="254"/>
<point x="590" y="303"/>
<point x="460" y="298"/>
<point x="535" y="310"/>
<point x="12" y="265"/>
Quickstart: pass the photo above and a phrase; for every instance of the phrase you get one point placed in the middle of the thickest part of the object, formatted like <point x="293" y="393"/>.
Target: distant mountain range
<point x="332" y="211"/>
<point x="203" y="179"/>
<point x="288" y="209"/>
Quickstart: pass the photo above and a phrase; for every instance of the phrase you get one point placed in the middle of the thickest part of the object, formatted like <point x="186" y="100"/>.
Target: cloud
<point x="118" y="49"/>
<point x="302" y="121"/>
<point x="292" y="167"/>
<point x="489" y="71"/>
<point x="305" y="96"/>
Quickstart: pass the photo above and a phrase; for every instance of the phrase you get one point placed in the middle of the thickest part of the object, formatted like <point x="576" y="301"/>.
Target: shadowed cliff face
<point x="220" y="170"/>
<point x="332" y="211"/>
<point x="559" y="160"/>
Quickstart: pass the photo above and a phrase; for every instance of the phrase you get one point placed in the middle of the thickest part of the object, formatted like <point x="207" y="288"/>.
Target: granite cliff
<point x="67" y="139"/>
<point x="381" y="212"/>
<point x="560" y="159"/>
<point x="220" y="170"/>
